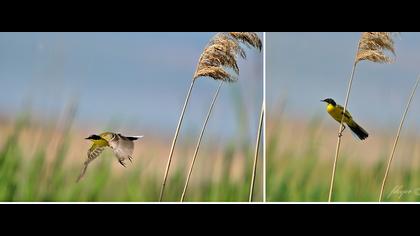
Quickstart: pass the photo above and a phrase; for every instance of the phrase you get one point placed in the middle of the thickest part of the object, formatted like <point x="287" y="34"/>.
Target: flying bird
<point x="123" y="147"/>
<point x="336" y="111"/>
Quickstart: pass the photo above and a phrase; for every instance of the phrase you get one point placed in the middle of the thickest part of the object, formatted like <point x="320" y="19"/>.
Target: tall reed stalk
<point x="257" y="146"/>
<point x="171" y="152"/>
<point x="221" y="54"/>
<point x="371" y="47"/>
<point x="394" y="147"/>
<point x="199" y="142"/>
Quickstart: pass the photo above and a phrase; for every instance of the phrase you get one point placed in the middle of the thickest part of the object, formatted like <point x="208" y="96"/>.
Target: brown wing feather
<point x="92" y="154"/>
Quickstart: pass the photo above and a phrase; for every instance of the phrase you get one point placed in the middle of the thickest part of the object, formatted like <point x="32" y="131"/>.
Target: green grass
<point x="301" y="175"/>
<point x="38" y="178"/>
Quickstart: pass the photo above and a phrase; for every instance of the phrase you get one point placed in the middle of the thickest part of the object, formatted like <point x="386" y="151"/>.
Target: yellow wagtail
<point x="122" y="146"/>
<point x="336" y="111"/>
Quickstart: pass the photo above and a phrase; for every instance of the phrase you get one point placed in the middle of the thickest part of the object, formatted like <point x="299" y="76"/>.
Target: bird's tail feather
<point x="135" y="137"/>
<point x="358" y="130"/>
<point x="82" y="173"/>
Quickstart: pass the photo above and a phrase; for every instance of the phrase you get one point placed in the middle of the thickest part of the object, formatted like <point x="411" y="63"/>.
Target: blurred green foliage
<point x="34" y="178"/>
<point x="296" y="176"/>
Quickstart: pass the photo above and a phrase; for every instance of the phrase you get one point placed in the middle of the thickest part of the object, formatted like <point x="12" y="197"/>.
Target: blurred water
<point x="306" y="67"/>
<point x="139" y="79"/>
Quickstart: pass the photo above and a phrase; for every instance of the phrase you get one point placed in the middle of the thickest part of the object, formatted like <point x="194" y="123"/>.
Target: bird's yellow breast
<point x="336" y="113"/>
<point x="330" y="108"/>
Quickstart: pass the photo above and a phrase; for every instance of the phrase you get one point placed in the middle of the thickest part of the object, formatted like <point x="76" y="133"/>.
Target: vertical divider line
<point x="264" y="118"/>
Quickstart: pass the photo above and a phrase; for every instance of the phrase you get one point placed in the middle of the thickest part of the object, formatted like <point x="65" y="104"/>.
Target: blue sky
<point x="139" y="79"/>
<point x="306" y="67"/>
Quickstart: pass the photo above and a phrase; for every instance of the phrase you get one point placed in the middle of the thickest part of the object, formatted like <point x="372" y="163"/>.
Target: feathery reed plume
<point x="371" y="47"/>
<point x="257" y="146"/>
<point x="391" y="157"/>
<point x="221" y="54"/>
<point x="248" y="38"/>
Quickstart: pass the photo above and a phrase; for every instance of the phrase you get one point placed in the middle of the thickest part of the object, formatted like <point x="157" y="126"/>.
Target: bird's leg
<point x="122" y="163"/>
<point x="130" y="159"/>
<point x="341" y="132"/>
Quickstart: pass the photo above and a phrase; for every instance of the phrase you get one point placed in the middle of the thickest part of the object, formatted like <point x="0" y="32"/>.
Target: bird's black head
<point x="329" y="101"/>
<point x="94" y="137"/>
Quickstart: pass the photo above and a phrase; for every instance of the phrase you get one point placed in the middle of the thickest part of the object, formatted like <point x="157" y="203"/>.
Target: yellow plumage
<point x="122" y="146"/>
<point x="336" y="112"/>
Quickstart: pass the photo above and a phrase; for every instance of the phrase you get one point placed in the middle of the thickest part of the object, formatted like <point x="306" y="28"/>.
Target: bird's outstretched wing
<point x="123" y="148"/>
<point x="92" y="154"/>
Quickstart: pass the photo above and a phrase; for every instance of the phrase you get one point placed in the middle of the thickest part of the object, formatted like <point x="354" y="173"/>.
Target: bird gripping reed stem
<point x="371" y="47"/>
<point x="340" y="130"/>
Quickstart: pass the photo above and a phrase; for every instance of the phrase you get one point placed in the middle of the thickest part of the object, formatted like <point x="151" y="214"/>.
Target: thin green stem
<point x="257" y="146"/>
<point x="391" y="157"/>
<point x="168" y="165"/>
<point x="340" y="133"/>
<point x="199" y="142"/>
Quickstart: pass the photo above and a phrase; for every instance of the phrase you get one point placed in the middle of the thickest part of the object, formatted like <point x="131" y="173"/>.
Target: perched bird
<point x="121" y="145"/>
<point x="336" y="111"/>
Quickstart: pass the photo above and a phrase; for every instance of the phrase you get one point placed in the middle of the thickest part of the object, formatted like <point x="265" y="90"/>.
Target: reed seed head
<point x="372" y="47"/>
<point x="250" y="39"/>
<point x="221" y="54"/>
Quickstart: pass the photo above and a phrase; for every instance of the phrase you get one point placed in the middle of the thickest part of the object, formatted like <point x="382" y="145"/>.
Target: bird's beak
<point x="322" y="100"/>
<point x="93" y="137"/>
